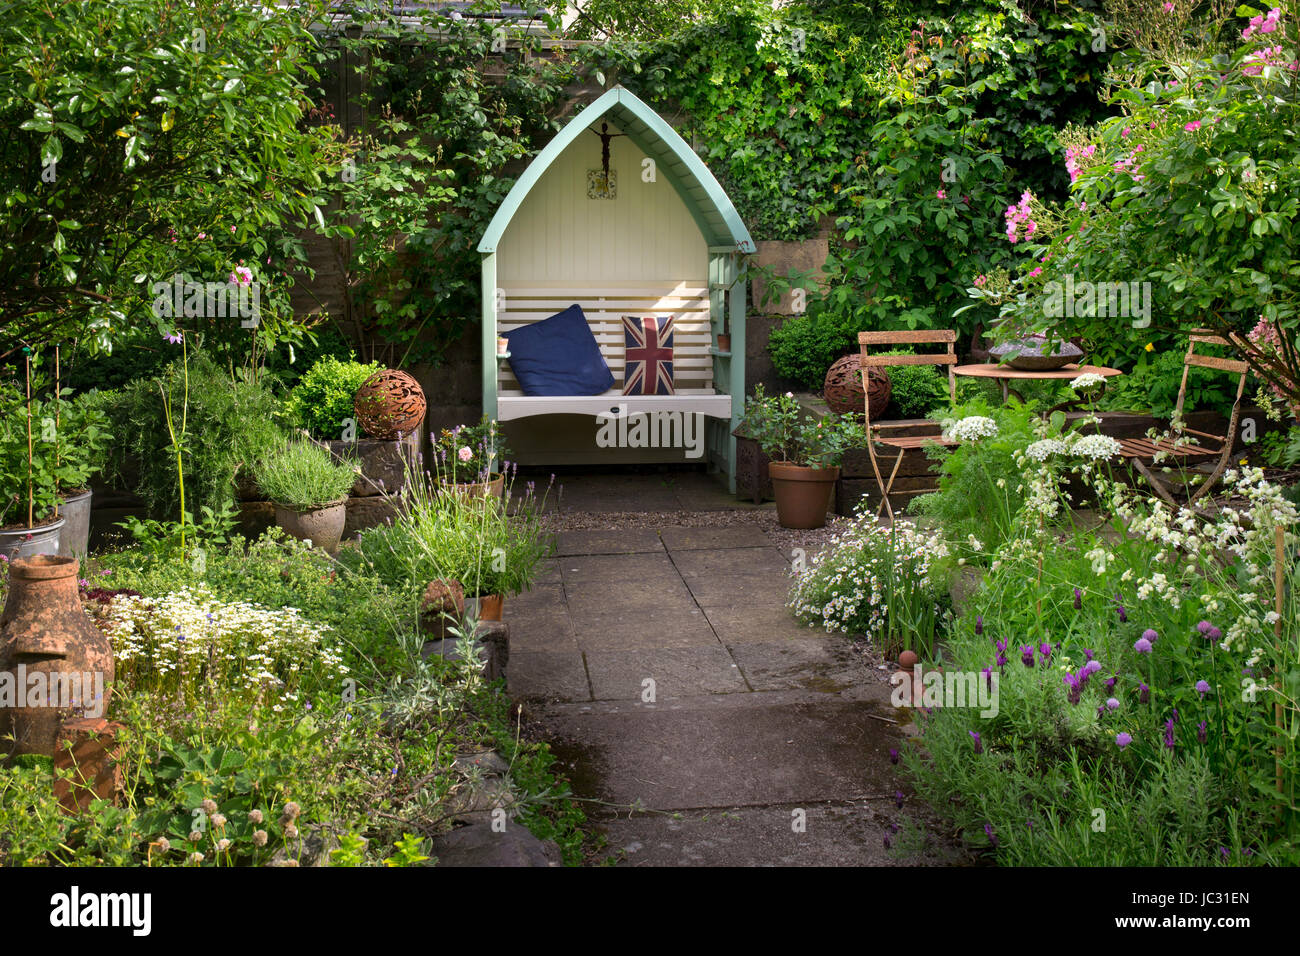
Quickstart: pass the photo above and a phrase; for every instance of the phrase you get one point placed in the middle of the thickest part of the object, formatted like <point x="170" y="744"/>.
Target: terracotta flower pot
<point x="75" y="536"/>
<point x="490" y="607"/>
<point x="478" y="489"/>
<point x="802" y="494"/>
<point x="29" y="542"/>
<point x="322" y="526"/>
<point x="52" y="655"/>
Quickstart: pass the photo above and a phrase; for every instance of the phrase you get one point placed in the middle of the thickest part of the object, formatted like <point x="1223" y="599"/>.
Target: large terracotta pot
<point x="28" y="542"/>
<point x="322" y="526"/>
<point x="74" y="539"/>
<point x="803" y="494"/>
<point x="52" y="656"/>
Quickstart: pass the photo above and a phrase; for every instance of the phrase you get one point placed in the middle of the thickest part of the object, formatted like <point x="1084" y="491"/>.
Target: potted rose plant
<point x="467" y="459"/>
<point x="805" y="454"/>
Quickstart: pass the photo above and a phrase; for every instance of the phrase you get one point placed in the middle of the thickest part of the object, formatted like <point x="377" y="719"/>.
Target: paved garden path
<point x="682" y="698"/>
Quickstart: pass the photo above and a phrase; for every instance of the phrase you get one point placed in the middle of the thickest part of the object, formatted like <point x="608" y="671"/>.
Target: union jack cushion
<point x="648" y="362"/>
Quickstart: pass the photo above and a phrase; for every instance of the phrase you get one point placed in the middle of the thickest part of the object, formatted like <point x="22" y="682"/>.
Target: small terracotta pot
<point x="802" y="494"/>
<point x="724" y="341"/>
<point x="479" y="489"/>
<point x="48" y="641"/>
<point x="322" y="526"/>
<point x="490" y="607"/>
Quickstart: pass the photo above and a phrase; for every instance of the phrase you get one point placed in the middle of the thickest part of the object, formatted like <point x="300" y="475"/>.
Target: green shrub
<point x="303" y="475"/>
<point x="229" y="424"/>
<point x="1152" y="387"/>
<point x="323" y="398"/>
<point x="805" y="346"/>
<point x="981" y="483"/>
<point x="443" y="534"/>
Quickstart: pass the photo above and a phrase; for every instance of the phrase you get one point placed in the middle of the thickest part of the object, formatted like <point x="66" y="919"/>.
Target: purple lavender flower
<point x="1110" y="682"/>
<point x="893" y="755"/>
<point x="1224" y="852"/>
<point x="1142" y="646"/>
<point x="1002" y="646"/>
<point x="1045" y="649"/>
<point x="1075" y="685"/>
<point x="1122" y="740"/>
<point x="1200" y="732"/>
<point x="887" y="841"/>
<point x="1169" y="733"/>
<point x="1202" y="688"/>
<point x="1123" y="614"/>
<point x="1027" y="654"/>
<point x="988" y="678"/>
<point x="1101" y="711"/>
<point x="1144" y="694"/>
<point x="1078" y="599"/>
<point x="1002" y="661"/>
<point x="899" y="798"/>
<point x="979" y="624"/>
<point x="979" y="745"/>
<point x="1087" y="654"/>
<point x="993" y="837"/>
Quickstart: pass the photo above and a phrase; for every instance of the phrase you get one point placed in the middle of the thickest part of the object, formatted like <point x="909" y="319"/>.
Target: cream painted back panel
<point x="559" y="234"/>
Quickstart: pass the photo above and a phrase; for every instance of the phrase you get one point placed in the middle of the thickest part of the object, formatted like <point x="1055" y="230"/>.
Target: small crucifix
<point x="605" y="136"/>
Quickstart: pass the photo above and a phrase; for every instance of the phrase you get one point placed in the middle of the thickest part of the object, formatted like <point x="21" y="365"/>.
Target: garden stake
<point x="56" y="420"/>
<point x="30" y="492"/>
<point x="1279" y="584"/>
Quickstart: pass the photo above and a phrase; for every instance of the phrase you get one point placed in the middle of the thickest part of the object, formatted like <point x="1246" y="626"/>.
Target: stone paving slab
<point x="700" y="539"/>
<point x="723" y="562"/>
<point x="654" y="595"/>
<point x="810" y="664"/>
<point x="767" y="623"/>
<point x="833" y="835"/>
<point x="542" y="631"/>
<point x="547" y="675"/>
<point x="620" y="674"/>
<point x="628" y="628"/>
<point x="632" y="541"/>
<point x="616" y="568"/>
<point x="758" y="749"/>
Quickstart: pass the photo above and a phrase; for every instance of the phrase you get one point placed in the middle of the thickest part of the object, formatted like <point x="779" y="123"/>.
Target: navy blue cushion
<point x="559" y="356"/>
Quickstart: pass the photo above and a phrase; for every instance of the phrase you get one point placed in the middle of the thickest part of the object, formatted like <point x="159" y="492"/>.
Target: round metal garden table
<point x="1004" y="374"/>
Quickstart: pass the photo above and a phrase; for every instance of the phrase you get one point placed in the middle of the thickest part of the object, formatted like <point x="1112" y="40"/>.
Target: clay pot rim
<point x="306" y="511"/>
<point x="44" y="567"/>
<point x="794" y="472"/>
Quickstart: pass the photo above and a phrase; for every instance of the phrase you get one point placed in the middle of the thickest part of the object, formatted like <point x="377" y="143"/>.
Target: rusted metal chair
<point x="1141" y="452"/>
<point x="903" y="443"/>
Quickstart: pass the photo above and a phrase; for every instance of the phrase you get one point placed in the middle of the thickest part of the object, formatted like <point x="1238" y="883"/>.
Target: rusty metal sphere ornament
<point x="389" y="403"/>
<point x="843" y="387"/>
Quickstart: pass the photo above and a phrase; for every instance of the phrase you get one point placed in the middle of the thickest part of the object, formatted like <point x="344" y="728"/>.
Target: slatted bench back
<point x="686" y="302"/>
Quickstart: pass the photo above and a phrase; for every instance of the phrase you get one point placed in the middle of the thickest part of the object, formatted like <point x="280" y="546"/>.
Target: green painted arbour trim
<point x="673" y="156"/>
<point x="723" y="230"/>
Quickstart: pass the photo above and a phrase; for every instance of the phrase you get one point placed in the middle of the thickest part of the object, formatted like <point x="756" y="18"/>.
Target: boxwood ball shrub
<point x="322" y="401"/>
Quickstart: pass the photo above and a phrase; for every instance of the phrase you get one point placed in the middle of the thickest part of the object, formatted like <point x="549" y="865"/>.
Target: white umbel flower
<point x="1045" y="448"/>
<point x="1087" y="380"/>
<point x="972" y="429"/>
<point x="1096" y="447"/>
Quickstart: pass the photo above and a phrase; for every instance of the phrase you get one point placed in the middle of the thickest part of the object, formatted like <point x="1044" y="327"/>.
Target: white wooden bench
<point x="685" y="302"/>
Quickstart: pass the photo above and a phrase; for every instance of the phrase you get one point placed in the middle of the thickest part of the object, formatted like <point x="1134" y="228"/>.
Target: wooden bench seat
<point x="687" y="303"/>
